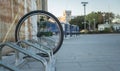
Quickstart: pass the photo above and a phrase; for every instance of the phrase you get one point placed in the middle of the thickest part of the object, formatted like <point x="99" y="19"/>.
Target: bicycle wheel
<point x="41" y="26"/>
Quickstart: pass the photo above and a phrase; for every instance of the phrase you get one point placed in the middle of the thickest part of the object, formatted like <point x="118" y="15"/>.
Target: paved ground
<point x="84" y="53"/>
<point x="90" y="53"/>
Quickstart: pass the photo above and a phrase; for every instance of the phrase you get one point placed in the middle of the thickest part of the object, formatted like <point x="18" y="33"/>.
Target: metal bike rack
<point x="48" y="40"/>
<point x="45" y="49"/>
<point x="2" y="64"/>
<point x="48" y="48"/>
<point x="18" y="48"/>
<point x="48" y="51"/>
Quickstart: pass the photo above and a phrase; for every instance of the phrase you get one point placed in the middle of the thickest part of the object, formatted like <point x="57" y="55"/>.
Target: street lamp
<point x="84" y="4"/>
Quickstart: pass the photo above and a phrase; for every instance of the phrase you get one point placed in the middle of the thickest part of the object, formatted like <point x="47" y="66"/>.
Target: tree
<point x="78" y="21"/>
<point x="109" y="16"/>
<point x="91" y="18"/>
<point x="98" y="17"/>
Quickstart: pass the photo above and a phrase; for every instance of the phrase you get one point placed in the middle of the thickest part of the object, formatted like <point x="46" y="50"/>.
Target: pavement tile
<point x="67" y="66"/>
<point x="90" y="53"/>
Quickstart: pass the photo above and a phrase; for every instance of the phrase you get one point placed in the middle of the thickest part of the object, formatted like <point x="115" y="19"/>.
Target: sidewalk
<point x="84" y="53"/>
<point x="90" y="53"/>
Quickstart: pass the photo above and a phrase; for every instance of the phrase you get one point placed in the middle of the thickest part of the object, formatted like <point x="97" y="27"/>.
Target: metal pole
<point x="84" y="4"/>
<point x="103" y="17"/>
<point x="94" y="24"/>
<point x="84" y="16"/>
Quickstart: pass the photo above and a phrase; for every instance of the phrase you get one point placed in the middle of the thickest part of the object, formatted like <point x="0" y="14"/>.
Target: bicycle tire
<point x="36" y="12"/>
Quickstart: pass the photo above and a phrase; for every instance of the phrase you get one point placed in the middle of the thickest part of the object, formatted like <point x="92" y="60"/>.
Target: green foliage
<point x="77" y="21"/>
<point x="106" y="30"/>
<point x="40" y="34"/>
<point x="92" y="17"/>
<point x="42" y="23"/>
<point x="99" y="18"/>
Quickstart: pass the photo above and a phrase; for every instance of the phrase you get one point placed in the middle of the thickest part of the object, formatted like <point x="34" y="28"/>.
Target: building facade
<point x="10" y="13"/>
<point x="66" y="16"/>
<point x="42" y="5"/>
<point x="114" y="26"/>
<point x="102" y="27"/>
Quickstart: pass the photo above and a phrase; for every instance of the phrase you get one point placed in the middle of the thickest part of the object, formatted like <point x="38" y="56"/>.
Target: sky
<point x="57" y="7"/>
